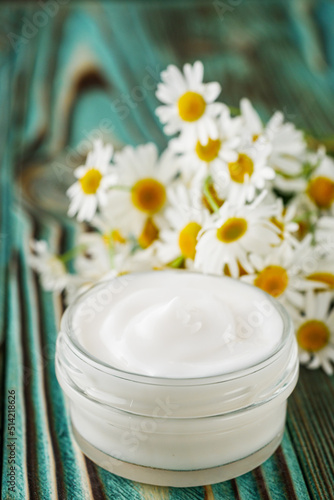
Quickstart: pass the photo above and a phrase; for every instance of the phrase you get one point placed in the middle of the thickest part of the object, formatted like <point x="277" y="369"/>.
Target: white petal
<point x="211" y="91"/>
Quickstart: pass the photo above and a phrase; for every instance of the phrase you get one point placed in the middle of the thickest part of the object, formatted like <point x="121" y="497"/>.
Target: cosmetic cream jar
<point x="171" y="430"/>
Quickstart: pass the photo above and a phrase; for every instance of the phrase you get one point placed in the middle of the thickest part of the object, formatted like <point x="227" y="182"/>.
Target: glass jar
<point x="168" y="431"/>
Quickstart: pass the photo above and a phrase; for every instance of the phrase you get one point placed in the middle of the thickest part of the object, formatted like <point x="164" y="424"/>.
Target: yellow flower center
<point x="113" y="237"/>
<point x="255" y="137"/>
<point x="273" y="280"/>
<point x="90" y="182"/>
<point x="148" y="195"/>
<point x="326" y="278"/>
<point x="240" y="168"/>
<point x="321" y="191"/>
<point x="313" y="335"/>
<point x="191" y="106"/>
<point x="149" y="233"/>
<point x="232" y="230"/>
<point x="188" y="240"/>
<point x="208" y="152"/>
<point x="117" y="236"/>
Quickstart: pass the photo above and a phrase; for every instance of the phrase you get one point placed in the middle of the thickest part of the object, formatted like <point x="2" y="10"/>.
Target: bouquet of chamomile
<point x="230" y="195"/>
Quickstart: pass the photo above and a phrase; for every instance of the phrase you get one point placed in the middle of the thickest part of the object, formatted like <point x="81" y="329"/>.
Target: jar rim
<point x="78" y="349"/>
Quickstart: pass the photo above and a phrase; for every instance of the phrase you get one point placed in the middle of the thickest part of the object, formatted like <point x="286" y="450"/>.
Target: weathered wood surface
<point x="93" y="67"/>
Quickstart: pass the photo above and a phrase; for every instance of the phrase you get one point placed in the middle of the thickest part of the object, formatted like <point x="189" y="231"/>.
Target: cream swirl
<point x="183" y="325"/>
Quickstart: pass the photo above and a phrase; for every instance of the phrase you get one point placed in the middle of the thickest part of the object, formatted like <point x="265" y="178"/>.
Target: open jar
<point x="141" y="419"/>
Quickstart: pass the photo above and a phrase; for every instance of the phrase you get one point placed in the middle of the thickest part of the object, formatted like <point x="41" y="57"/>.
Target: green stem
<point x="71" y="253"/>
<point x="208" y="195"/>
<point x="306" y="216"/>
<point x="112" y="255"/>
<point x="234" y="110"/>
<point x="176" y="263"/>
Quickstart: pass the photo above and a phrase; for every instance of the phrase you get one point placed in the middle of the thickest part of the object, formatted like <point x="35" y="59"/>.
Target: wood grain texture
<point x="91" y="71"/>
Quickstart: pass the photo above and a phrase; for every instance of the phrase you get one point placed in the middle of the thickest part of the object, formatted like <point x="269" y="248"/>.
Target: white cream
<point x="175" y="378"/>
<point x="180" y="325"/>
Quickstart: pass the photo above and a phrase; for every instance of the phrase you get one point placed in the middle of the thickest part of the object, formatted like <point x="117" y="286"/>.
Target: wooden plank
<point x="14" y="446"/>
<point x="41" y="467"/>
<point x="72" y="477"/>
<point x="248" y="487"/>
<point x="311" y="427"/>
<point x="5" y="201"/>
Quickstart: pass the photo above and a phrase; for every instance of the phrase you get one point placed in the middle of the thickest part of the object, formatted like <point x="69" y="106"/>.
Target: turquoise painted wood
<point x="91" y="71"/>
<point x="14" y="438"/>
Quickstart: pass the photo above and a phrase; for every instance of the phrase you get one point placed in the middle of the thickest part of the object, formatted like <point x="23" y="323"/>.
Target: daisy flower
<point x="94" y="179"/>
<point x="305" y="216"/>
<point x="52" y="270"/>
<point x="189" y="105"/>
<point x="186" y="221"/>
<point x="247" y="174"/>
<point x="293" y="171"/>
<point x="110" y="253"/>
<point x="288" y="145"/>
<point x="252" y="126"/>
<point x="138" y="208"/>
<point x="320" y="267"/>
<point x="320" y="187"/>
<point x="234" y="232"/>
<point x="315" y="331"/>
<point x="287" y="142"/>
<point x="285" y="222"/>
<point x="280" y="273"/>
<point x="324" y="233"/>
<point x="197" y="159"/>
<point x="139" y="261"/>
<point x="95" y="260"/>
<point x="315" y="194"/>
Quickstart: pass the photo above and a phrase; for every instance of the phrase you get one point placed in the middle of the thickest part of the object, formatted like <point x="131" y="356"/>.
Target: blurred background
<point x="72" y="71"/>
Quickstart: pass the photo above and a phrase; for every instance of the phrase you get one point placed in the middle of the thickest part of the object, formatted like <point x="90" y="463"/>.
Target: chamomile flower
<point x="189" y="105"/>
<point x="305" y="216"/>
<point x="314" y="328"/>
<point x="285" y="222"/>
<point x="281" y="273"/>
<point x="252" y="126"/>
<point x="52" y="270"/>
<point x="290" y="185"/>
<point x="320" y="269"/>
<point x="324" y="232"/>
<point x="288" y="144"/>
<point x="185" y="220"/>
<point x="94" y="179"/>
<point x="197" y="159"/>
<point x="95" y="260"/>
<point x="286" y="141"/>
<point x="137" y="209"/>
<point x="139" y="261"/>
<point x="234" y="232"/>
<point x="320" y="187"/>
<point x="294" y="171"/>
<point x="245" y="175"/>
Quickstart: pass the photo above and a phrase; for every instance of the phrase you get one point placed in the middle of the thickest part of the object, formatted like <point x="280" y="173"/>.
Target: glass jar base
<point x="177" y="478"/>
